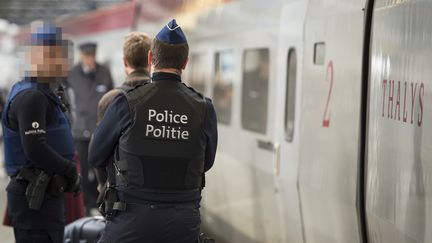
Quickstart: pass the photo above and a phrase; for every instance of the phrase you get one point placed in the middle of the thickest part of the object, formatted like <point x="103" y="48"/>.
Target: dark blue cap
<point x="88" y="48"/>
<point x="172" y="34"/>
<point x="46" y="34"/>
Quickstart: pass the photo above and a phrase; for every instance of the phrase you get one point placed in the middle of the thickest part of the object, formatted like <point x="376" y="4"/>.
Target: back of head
<point x="170" y="48"/>
<point x="135" y="48"/>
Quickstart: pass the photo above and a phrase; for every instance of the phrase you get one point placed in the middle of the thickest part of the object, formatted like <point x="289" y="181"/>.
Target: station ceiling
<point x="23" y="12"/>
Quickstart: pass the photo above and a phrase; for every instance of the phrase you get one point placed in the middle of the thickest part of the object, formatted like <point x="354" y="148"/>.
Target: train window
<point x="223" y="85"/>
<point x="197" y="72"/>
<point x="319" y="53"/>
<point x="290" y="97"/>
<point x="255" y="89"/>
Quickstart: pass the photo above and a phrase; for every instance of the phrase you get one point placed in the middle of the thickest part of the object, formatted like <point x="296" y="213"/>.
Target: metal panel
<point x="330" y="122"/>
<point x="399" y="172"/>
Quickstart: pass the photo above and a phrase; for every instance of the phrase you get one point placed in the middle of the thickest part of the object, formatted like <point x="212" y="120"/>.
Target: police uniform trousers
<point x="35" y="226"/>
<point x="89" y="182"/>
<point x="154" y="223"/>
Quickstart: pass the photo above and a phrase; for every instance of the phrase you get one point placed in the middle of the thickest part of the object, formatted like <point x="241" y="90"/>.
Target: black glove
<point x="58" y="185"/>
<point x="73" y="181"/>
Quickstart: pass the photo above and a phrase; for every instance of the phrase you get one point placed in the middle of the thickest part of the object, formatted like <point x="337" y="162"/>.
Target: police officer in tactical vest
<point x="38" y="143"/>
<point x="163" y="136"/>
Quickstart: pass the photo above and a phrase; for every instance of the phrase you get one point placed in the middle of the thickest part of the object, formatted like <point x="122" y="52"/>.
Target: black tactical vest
<point x="164" y="147"/>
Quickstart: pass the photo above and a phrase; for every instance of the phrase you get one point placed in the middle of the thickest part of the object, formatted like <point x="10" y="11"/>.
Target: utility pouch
<point x="37" y="187"/>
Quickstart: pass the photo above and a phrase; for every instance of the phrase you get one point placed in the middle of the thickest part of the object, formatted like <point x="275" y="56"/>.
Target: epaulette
<point x="193" y="90"/>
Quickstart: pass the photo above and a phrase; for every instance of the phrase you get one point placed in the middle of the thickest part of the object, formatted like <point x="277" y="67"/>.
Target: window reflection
<point x="255" y="89"/>
<point x="197" y="73"/>
<point x="223" y="85"/>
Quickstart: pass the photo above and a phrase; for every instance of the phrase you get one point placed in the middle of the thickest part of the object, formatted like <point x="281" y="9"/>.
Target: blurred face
<point x="88" y="61"/>
<point x="49" y="61"/>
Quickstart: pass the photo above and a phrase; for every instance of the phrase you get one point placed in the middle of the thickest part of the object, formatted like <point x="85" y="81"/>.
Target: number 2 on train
<point x="327" y="113"/>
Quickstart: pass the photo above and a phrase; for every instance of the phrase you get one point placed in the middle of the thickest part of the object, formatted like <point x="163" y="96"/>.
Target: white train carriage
<point x="323" y="109"/>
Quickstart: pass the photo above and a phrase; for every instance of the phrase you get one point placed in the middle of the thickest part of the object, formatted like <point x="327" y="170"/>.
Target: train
<point x="323" y="112"/>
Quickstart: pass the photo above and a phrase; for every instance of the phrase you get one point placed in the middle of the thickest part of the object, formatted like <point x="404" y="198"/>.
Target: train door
<point x="240" y="203"/>
<point x="249" y="151"/>
<point x="330" y="121"/>
<point x="258" y="111"/>
<point x="287" y="119"/>
<point x="243" y="206"/>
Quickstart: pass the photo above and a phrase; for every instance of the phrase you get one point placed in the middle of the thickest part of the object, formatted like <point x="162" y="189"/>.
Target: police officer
<point x="38" y="143"/>
<point x="164" y="135"/>
<point x="89" y="81"/>
<point x="135" y="48"/>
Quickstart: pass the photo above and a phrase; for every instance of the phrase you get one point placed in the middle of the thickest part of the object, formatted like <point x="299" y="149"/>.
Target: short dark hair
<point x="135" y="49"/>
<point x="169" y="55"/>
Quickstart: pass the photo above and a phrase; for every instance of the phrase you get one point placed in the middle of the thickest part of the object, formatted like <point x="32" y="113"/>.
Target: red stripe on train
<point x="118" y="16"/>
<point x="111" y="18"/>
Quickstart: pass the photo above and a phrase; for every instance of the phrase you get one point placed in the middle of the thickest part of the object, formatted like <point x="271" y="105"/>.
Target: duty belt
<point x="39" y="184"/>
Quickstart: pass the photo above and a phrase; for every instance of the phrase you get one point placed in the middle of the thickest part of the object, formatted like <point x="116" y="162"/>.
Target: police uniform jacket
<point x="119" y="118"/>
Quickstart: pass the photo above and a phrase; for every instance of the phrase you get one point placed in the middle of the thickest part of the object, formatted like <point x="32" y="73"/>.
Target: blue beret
<point x="172" y="34"/>
<point x="47" y="34"/>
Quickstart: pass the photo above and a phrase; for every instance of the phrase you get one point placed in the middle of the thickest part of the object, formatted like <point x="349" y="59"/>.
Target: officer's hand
<point x="73" y="182"/>
<point x="100" y="187"/>
<point x="76" y="186"/>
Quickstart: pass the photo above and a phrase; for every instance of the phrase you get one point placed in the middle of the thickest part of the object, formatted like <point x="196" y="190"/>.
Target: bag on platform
<point x="85" y="230"/>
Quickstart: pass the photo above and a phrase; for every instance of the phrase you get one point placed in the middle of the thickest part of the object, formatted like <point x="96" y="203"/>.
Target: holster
<point x="39" y="184"/>
<point x="109" y="203"/>
<point x="36" y="189"/>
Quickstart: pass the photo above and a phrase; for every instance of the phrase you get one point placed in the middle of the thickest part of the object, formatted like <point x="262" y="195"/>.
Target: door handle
<point x="274" y="148"/>
<point x="267" y="145"/>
